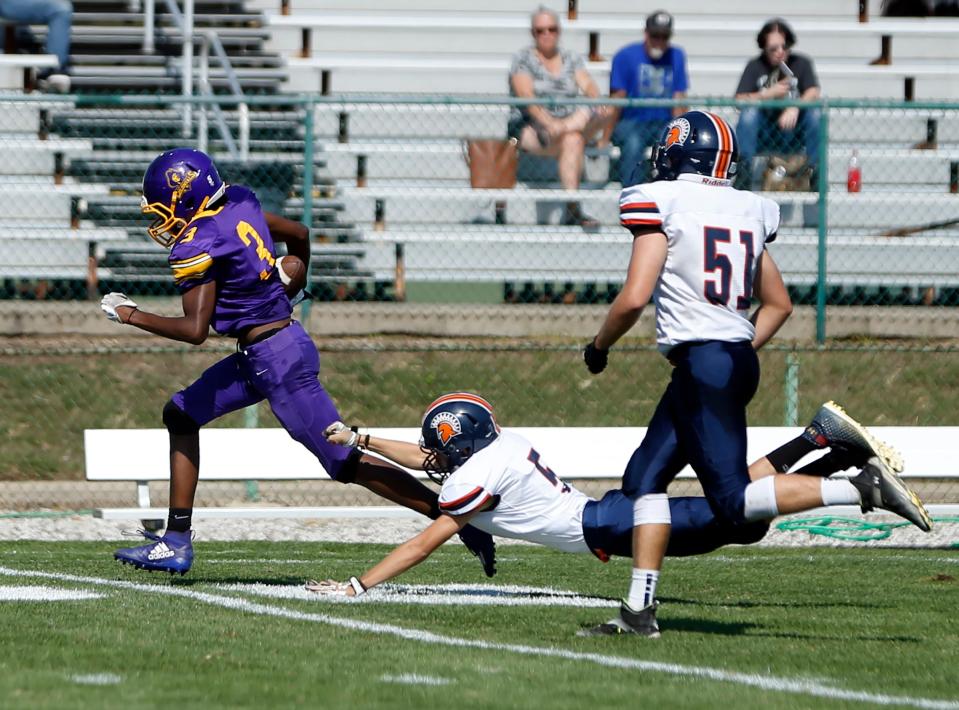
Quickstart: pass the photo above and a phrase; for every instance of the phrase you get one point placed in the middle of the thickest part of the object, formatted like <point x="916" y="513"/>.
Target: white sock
<point x="760" y="499"/>
<point x="642" y="591"/>
<point x="651" y="509"/>
<point x="839" y="491"/>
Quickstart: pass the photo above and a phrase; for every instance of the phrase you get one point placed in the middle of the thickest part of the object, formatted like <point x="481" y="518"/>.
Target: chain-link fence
<point x="424" y="283"/>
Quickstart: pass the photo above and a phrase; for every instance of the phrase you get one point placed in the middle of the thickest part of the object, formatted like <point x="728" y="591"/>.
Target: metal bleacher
<point x="78" y="165"/>
<point x="388" y="173"/>
<point x="415" y="184"/>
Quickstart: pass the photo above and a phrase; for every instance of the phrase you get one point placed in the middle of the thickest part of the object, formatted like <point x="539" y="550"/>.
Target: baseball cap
<point x="660" y="23"/>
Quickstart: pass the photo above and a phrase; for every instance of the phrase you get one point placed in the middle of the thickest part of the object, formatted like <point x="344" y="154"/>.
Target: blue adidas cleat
<point x="172" y="552"/>
<point x="481" y="544"/>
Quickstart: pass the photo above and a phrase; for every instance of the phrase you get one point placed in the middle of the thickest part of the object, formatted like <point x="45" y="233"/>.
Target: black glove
<point x="595" y="358"/>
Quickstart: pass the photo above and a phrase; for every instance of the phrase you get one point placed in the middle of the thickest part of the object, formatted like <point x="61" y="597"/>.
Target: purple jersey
<point x="231" y="245"/>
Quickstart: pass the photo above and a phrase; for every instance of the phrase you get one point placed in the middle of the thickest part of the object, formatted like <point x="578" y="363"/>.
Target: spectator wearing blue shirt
<point x="653" y="69"/>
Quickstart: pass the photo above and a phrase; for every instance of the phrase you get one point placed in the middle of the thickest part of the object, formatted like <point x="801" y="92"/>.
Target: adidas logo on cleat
<point x="160" y="552"/>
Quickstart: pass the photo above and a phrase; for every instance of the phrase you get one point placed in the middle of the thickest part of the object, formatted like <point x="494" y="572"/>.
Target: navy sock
<point x="789" y="453"/>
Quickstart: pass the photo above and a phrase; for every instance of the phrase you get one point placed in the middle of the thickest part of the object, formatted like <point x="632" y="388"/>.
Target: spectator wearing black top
<point x="777" y="73"/>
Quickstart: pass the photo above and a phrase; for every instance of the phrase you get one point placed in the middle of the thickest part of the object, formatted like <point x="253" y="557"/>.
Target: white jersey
<point x="529" y="501"/>
<point x="716" y="236"/>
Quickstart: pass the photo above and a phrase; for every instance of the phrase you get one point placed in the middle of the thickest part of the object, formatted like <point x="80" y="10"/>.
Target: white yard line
<point x="414" y="679"/>
<point x="96" y="679"/>
<point x="795" y="686"/>
<point x="44" y="594"/>
<point x="258" y="561"/>
<point x="432" y="595"/>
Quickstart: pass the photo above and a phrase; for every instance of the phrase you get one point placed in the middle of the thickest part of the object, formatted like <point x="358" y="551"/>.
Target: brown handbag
<point x="492" y="163"/>
<point x="790" y="173"/>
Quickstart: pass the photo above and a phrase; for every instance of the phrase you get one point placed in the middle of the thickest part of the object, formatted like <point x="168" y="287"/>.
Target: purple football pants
<point x="284" y="370"/>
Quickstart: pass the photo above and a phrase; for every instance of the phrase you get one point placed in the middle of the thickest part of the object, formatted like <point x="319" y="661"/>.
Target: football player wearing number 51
<point x="699" y="248"/>
<point x="225" y="267"/>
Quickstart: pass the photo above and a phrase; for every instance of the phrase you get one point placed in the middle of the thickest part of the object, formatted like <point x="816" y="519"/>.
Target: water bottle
<point x="854" y="174"/>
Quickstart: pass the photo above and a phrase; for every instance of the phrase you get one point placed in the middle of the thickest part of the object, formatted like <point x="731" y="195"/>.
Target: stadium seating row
<point x="400" y="166"/>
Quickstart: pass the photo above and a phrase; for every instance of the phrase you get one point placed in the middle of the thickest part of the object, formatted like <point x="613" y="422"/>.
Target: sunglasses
<point x="775" y="47"/>
<point x="543" y="30"/>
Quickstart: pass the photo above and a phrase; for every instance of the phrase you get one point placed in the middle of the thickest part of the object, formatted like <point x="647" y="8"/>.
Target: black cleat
<point x="629" y="621"/>
<point x="879" y="487"/>
<point x="481" y="545"/>
<point x="834" y="428"/>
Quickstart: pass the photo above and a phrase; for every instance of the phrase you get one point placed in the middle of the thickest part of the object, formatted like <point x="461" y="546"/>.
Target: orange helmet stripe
<point x="724" y="157"/>
<point x="730" y="146"/>
<point x="465" y="396"/>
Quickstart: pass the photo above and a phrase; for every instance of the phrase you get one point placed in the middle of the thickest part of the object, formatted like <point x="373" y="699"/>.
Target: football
<point x="292" y="274"/>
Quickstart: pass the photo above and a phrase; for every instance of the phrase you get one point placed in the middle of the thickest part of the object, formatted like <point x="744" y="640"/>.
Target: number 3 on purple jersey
<point x="245" y="230"/>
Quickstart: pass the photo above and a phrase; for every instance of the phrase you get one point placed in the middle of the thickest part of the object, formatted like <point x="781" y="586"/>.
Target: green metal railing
<point x="382" y="182"/>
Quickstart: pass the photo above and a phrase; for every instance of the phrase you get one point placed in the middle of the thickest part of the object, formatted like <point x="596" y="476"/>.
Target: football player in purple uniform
<point x="224" y="265"/>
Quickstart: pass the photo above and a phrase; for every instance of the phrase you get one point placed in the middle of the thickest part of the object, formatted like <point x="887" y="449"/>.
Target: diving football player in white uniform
<point x="496" y="480"/>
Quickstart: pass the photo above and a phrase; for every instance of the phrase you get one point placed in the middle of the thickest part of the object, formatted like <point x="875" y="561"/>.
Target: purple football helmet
<point x="178" y="185"/>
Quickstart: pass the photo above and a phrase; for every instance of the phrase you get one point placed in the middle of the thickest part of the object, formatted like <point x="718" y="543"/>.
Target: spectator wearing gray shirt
<point x="547" y="71"/>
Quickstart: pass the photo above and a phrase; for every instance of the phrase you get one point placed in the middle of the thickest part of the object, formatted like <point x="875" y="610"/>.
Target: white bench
<point x="540" y="254"/>
<point x="141" y="456"/>
<point x="18" y="71"/>
<point x="872" y="209"/>
<point x="31" y="253"/>
<point x="441" y="162"/>
<point x="379" y="120"/>
<point x="708" y="36"/>
<point x="627" y="12"/>
<point x="458" y="75"/>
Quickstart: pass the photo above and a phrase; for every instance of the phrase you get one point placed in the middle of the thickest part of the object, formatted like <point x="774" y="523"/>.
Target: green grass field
<point x="387" y="382"/>
<point x="744" y="628"/>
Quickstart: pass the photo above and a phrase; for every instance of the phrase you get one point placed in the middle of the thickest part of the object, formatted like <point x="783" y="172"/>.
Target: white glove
<point x="110" y="303"/>
<point x="328" y="587"/>
<point x="339" y="433"/>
